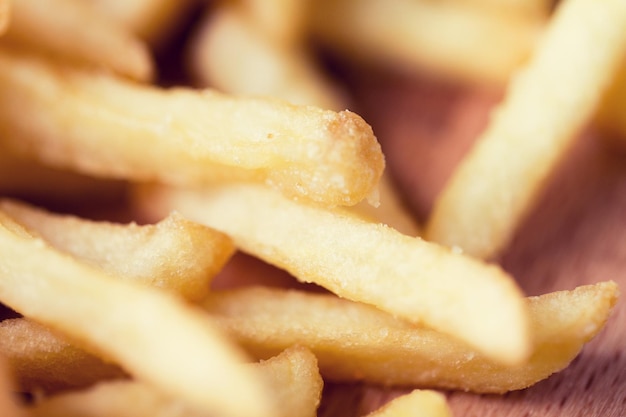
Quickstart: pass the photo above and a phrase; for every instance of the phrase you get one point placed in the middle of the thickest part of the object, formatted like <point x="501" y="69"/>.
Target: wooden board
<point x="576" y="235"/>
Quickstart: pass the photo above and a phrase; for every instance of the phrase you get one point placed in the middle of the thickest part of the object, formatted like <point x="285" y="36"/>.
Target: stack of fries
<point x="256" y="157"/>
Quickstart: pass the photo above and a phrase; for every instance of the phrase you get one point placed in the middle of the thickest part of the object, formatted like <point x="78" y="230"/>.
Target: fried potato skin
<point x="184" y="136"/>
<point x="355" y="342"/>
<point x="502" y="177"/>
<point x="362" y="261"/>
<point x="174" y="254"/>
<point x="45" y="361"/>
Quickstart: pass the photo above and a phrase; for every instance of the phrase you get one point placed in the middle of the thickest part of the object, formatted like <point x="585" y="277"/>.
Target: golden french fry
<point x="152" y="334"/>
<point x="391" y="209"/>
<point x="46" y="361"/>
<point x="292" y="375"/>
<point x="454" y="40"/>
<point x="174" y="254"/>
<point x="282" y="22"/>
<point x="363" y="261"/>
<point x="152" y="20"/>
<point x="546" y="105"/>
<point x="538" y="9"/>
<point x="229" y="53"/>
<point x="57" y="29"/>
<point x="356" y="342"/>
<point x="108" y="127"/>
<point x="423" y="403"/>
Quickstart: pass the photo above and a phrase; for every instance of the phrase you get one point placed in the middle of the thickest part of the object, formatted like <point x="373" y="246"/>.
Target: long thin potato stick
<point x="422" y="403"/>
<point x="174" y="254"/>
<point x="229" y="53"/>
<point x="282" y="22"/>
<point x="356" y="342"/>
<point x="151" y="334"/>
<point x="293" y="375"/>
<point x="152" y="20"/>
<point x="546" y="105"/>
<point x="46" y="361"/>
<point x="538" y="9"/>
<point x="458" y="41"/>
<point x="364" y="261"/>
<point x="109" y="127"/>
<point x="57" y="28"/>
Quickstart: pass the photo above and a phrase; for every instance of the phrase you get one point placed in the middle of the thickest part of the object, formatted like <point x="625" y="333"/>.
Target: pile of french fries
<point x="257" y="153"/>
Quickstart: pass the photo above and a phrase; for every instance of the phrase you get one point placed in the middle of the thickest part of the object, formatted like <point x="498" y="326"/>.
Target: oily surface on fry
<point x="184" y="136"/>
<point x="573" y="239"/>
<point x="357" y="342"/>
<point x="365" y="262"/>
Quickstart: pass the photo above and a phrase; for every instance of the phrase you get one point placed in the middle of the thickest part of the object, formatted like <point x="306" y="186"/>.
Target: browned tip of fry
<point x="342" y="166"/>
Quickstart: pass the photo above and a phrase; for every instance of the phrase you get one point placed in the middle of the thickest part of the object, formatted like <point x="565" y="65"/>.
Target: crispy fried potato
<point x="502" y="177"/>
<point x="229" y="53"/>
<point x="152" y="20"/>
<point x="454" y="40"/>
<point x="152" y="334"/>
<point x="282" y="22"/>
<point x="46" y="361"/>
<point x="174" y="254"/>
<point x="292" y="375"/>
<point x="537" y="9"/>
<point x="423" y="403"/>
<point x="57" y="29"/>
<point x="107" y="127"/>
<point x="363" y="261"/>
<point x="356" y="342"/>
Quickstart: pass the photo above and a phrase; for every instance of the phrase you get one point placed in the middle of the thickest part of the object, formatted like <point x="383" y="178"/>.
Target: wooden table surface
<point x="576" y="235"/>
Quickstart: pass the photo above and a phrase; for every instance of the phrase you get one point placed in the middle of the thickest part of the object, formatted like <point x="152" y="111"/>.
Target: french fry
<point x="356" y="342"/>
<point x="424" y="403"/>
<point x="363" y="261"/>
<point x="108" y="127"/>
<point x="46" y="361"/>
<point x="231" y="54"/>
<point x="152" y="20"/>
<point x="175" y="254"/>
<point x="454" y="40"/>
<point x="153" y="335"/>
<point x="283" y="22"/>
<point x="292" y="375"/>
<point x="537" y="9"/>
<point x="500" y="179"/>
<point x="57" y="28"/>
